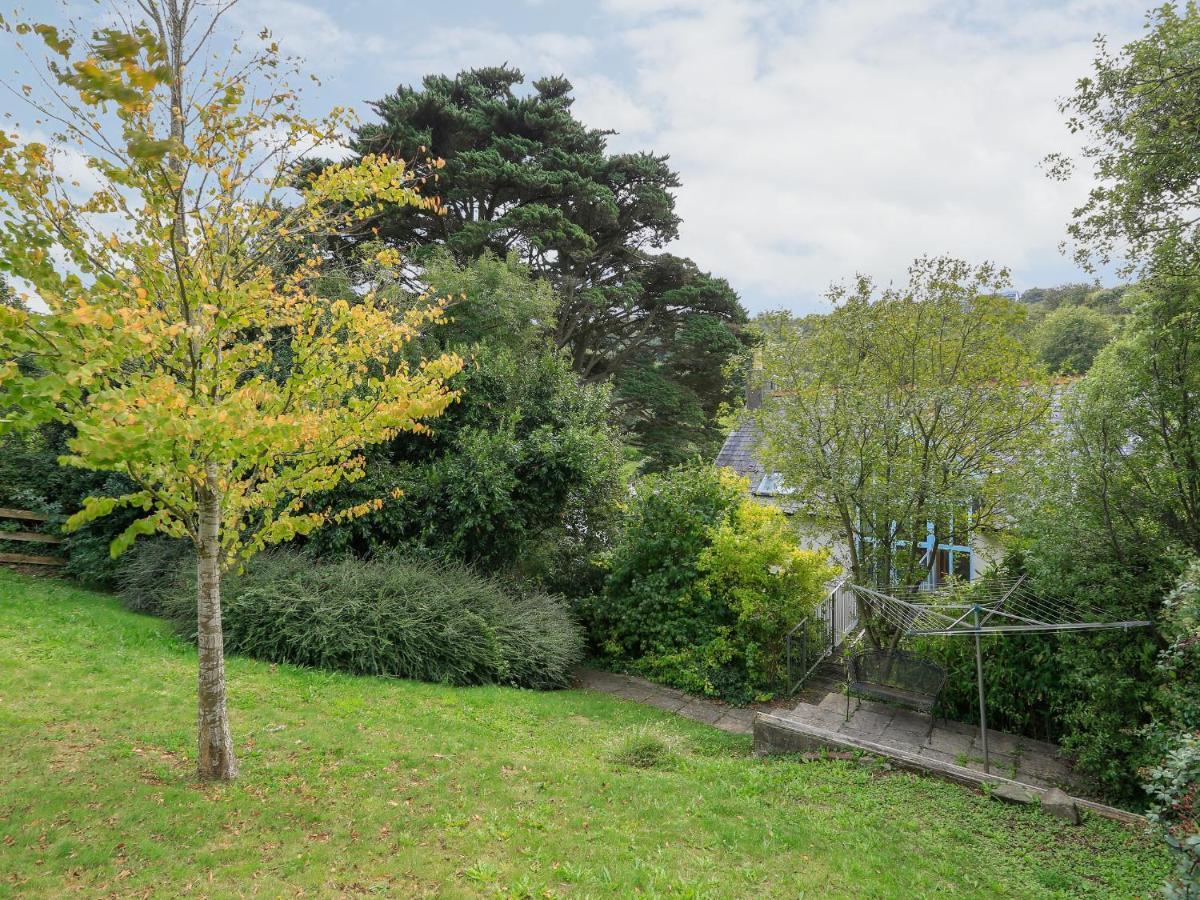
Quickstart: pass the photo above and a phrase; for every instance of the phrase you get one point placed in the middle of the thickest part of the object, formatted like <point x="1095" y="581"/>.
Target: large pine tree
<point x="524" y="175"/>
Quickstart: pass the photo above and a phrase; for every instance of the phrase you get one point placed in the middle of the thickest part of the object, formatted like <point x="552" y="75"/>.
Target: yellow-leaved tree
<point x="170" y="266"/>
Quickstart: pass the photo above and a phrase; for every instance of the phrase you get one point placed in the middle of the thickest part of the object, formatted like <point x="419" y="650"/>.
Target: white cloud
<point x="304" y="30"/>
<point x="450" y="49"/>
<point x="814" y="138"/>
<point x="602" y="103"/>
<point x="821" y="141"/>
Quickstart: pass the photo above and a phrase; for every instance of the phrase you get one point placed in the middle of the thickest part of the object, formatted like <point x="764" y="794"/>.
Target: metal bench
<point x="895" y="676"/>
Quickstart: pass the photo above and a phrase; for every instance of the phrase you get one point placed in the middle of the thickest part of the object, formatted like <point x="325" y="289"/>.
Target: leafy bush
<point x="1179" y="662"/>
<point x="648" y="602"/>
<point x="389" y="616"/>
<point x="703" y="586"/>
<point x="1175" y="807"/>
<point x="31" y="478"/>
<point x="156" y="573"/>
<point x="1175" y="735"/>
<point x="754" y="567"/>
<point x="1090" y="692"/>
<point x="522" y="475"/>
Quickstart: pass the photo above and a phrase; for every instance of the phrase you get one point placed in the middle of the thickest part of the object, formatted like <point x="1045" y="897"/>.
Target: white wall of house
<point x="986" y="548"/>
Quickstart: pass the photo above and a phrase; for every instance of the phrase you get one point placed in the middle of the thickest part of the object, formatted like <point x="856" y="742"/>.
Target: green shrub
<point x="389" y="616"/>
<point x="155" y="573"/>
<point x="1089" y="692"/>
<point x="31" y="478"/>
<point x="648" y="604"/>
<point x="1172" y="784"/>
<point x="703" y="586"/>
<point x="522" y="474"/>
<point x="1178" y="663"/>
<point x="1175" y="808"/>
<point x="754" y="567"/>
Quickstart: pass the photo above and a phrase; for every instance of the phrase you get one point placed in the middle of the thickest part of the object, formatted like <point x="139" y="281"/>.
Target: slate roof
<point x="737" y="453"/>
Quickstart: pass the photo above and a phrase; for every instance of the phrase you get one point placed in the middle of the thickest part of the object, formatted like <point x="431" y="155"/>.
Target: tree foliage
<point x="524" y="176"/>
<point x="1110" y="523"/>
<point x="523" y="472"/>
<point x="1137" y="113"/>
<point x="1138" y="413"/>
<point x="183" y="340"/>
<point x="1068" y="339"/>
<point x="1093" y="296"/>
<point x="900" y="408"/>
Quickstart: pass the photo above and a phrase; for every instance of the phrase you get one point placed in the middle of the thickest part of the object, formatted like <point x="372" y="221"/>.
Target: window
<point x="952" y="562"/>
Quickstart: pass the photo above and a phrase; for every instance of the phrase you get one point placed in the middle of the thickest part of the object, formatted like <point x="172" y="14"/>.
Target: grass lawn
<point x="368" y="786"/>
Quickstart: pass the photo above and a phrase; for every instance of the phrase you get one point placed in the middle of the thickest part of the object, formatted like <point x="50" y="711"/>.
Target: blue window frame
<point x="952" y="559"/>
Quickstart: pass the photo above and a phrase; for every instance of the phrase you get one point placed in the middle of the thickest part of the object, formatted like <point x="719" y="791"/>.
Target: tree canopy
<point x="184" y="339"/>
<point x="1137" y="420"/>
<point x="524" y="176"/>
<point x="1069" y="338"/>
<point x="522" y="473"/>
<point x="1137" y="113"/>
<point x="902" y="407"/>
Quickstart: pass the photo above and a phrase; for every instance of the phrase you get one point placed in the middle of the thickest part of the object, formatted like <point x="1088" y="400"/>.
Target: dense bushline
<point x="392" y="616"/>
<point x="703" y="585"/>
<point x="1110" y="523"/>
<point x="522" y="474"/>
<point x="31" y="478"/>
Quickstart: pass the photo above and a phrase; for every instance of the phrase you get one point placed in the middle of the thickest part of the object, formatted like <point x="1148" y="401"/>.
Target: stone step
<point x="817" y="688"/>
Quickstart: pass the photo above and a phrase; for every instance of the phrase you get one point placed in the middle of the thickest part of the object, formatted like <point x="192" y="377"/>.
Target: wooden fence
<point x="32" y="537"/>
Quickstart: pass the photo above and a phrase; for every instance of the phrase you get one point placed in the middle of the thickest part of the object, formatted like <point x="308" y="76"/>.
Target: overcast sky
<point x="814" y="139"/>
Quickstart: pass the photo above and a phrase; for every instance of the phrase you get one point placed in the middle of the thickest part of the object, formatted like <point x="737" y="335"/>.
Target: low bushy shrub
<point x="1174" y="789"/>
<point x="1173" y="783"/>
<point x="390" y="616"/>
<point x="31" y="478"/>
<point x="155" y="574"/>
<point x="703" y="585"/>
<point x="648" y="604"/>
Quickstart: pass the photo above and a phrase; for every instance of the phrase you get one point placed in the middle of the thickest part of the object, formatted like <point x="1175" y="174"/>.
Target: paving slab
<point x="951" y="742"/>
<point x="867" y="723"/>
<point x="835" y="702"/>
<point x="703" y="711"/>
<point x="823" y="717"/>
<point x="954" y="744"/>
<point x="774" y="733"/>
<point x="666" y="702"/>
<point x="737" y="721"/>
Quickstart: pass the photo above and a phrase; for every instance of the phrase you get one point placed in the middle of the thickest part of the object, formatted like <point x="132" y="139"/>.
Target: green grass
<point x="356" y="785"/>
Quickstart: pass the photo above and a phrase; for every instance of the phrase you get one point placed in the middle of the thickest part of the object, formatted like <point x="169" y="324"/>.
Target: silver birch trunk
<point x="215" y="760"/>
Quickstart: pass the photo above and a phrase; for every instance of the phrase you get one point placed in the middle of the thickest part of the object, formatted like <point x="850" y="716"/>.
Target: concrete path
<point x="712" y="712"/>
<point x="1020" y="759"/>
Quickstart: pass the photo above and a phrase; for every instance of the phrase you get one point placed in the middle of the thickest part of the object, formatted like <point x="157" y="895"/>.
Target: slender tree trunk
<point x="215" y="758"/>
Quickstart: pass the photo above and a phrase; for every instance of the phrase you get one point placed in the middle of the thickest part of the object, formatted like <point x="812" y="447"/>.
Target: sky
<point x="815" y="139"/>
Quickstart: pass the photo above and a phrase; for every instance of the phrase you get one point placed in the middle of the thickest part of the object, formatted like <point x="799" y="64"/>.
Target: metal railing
<point x="816" y="637"/>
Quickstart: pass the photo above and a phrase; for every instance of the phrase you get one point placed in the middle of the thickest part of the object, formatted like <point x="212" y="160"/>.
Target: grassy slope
<point x="364" y="785"/>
